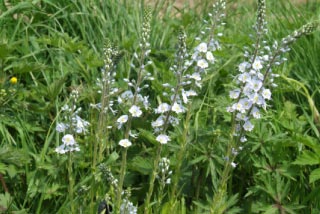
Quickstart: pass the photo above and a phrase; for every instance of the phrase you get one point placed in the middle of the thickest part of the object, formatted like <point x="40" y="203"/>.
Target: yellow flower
<point x="13" y="80"/>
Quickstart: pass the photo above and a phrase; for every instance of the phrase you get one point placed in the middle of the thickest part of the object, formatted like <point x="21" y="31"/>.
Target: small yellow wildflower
<point x="13" y="80"/>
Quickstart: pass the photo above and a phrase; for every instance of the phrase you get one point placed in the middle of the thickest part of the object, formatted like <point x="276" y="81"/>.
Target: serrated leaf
<point x="307" y="158"/>
<point x="51" y="191"/>
<point x="25" y="67"/>
<point x="3" y="168"/>
<point x="148" y="136"/>
<point x="142" y="165"/>
<point x="54" y="89"/>
<point x="310" y="142"/>
<point x="314" y="176"/>
<point x="5" y="200"/>
<point x="112" y="158"/>
<point x="271" y="210"/>
<point x="11" y="171"/>
<point x="5" y="51"/>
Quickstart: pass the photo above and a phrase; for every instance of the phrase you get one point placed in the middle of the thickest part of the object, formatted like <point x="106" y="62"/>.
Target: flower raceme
<point x="252" y="93"/>
<point x="255" y="77"/>
<point x="188" y="71"/>
<point x="72" y="124"/>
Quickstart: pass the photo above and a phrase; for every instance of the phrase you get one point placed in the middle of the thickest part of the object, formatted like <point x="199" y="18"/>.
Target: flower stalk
<point x="134" y="110"/>
<point x="71" y="182"/>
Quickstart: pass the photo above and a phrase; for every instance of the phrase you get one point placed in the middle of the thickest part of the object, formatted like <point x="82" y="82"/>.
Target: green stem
<point x="40" y="201"/>
<point x="127" y="131"/>
<point x="152" y="179"/>
<point x="71" y="182"/>
<point x="218" y="202"/>
<point x="160" y="194"/>
<point x="180" y="158"/>
<point x="103" y="117"/>
<point x="122" y="174"/>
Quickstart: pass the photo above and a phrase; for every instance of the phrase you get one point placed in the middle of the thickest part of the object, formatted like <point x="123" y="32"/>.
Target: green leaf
<point x="25" y="67"/>
<point x="315" y="175"/>
<point x="307" y="158"/>
<point x="112" y="158"/>
<point x="3" y="168"/>
<point x="51" y="191"/>
<point x="271" y="210"/>
<point x="310" y="142"/>
<point x="142" y="165"/>
<point x="5" y="201"/>
<point x="11" y="171"/>
<point x="198" y="159"/>
<point x="54" y="89"/>
<point x="5" y="51"/>
<point x="147" y="136"/>
<point x="10" y="155"/>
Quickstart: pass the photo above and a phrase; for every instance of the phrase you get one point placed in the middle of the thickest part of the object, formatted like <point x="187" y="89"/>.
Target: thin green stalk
<point x="121" y="180"/>
<point x="71" y="183"/>
<point x="103" y="117"/>
<point x="40" y="203"/>
<point x="126" y="135"/>
<point x="177" y="89"/>
<point x="152" y="179"/>
<point x="160" y="193"/>
<point x="93" y="189"/>
<point x="158" y="154"/>
<point x="218" y="202"/>
<point x="180" y="158"/>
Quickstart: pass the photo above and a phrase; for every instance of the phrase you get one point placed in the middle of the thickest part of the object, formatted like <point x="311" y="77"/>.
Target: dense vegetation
<point x="138" y="107"/>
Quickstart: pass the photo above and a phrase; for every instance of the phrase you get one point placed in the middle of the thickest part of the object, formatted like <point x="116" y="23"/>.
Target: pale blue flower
<point x="125" y="143"/>
<point x="163" y="139"/>
<point x="135" y="111"/>
<point x="248" y="126"/>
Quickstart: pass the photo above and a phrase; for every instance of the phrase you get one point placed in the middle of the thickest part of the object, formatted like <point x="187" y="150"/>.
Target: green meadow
<point x="159" y="107"/>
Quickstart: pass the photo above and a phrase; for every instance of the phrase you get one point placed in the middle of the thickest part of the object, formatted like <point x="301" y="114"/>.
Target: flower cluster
<point x="127" y="206"/>
<point x="187" y="83"/>
<point x="72" y="124"/>
<point x="175" y="105"/>
<point x="203" y="54"/>
<point x="133" y="99"/>
<point x="106" y="84"/>
<point x="107" y="174"/>
<point x="255" y="78"/>
<point x="164" y="172"/>
<point x="252" y="94"/>
<point x="69" y="145"/>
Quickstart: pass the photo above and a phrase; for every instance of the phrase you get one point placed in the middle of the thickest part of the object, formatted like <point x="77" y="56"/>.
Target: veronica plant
<point x="133" y="99"/>
<point x="254" y="89"/>
<point x="188" y="70"/>
<point x="202" y="61"/>
<point x="71" y="125"/>
<point x="107" y="89"/>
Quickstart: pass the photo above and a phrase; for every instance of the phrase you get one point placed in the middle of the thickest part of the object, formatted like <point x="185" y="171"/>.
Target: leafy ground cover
<point x="156" y="107"/>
